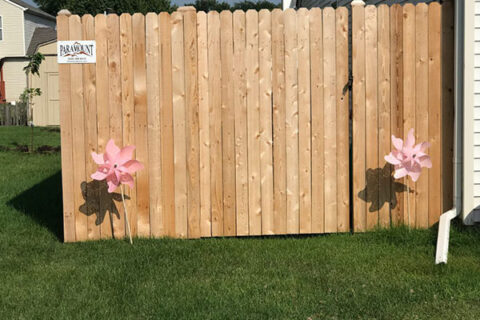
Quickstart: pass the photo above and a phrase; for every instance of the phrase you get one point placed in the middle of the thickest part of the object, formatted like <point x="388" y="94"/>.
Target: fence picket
<point x="317" y="106"/>
<point x="115" y="109"/>
<point x="384" y="110"/>
<point x="265" y="96"/>
<point x="204" y="126"/>
<point x="153" y="119"/>
<point x="166" y="126"/>
<point x="215" y="105"/>
<point x="141" y="123"/>
<point x="359" y="118"/>
<point x="421" y="108"/>
<point x="90" y="111"/>
<point x="240" y="105"/>
<point x="179" y="126"/>
<point x="253" y="124"/>
<point x="342" y="120"/>
<point x="228" y="123"/>
<point x="128" y="122"/>
<point x="279" y="154"/>
<point x="371" y="105"/>
<point x="396" y="101"/>
<point x="330" y="115"/>
<point x="304" y="123"/>
<point x="434" y="112"/>
<point x="78" y="132"/>
<point x="66" y="138"/>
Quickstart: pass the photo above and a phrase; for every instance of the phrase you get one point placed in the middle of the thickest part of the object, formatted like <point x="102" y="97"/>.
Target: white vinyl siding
<point x="13" y="42"/>
<point x="476" y="103"/>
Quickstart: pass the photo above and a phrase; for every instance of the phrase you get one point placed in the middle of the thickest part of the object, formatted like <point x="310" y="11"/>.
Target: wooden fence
<point x="403" y="78"/>
<point x="242" y="119"/>
<point x="13" y="115"/>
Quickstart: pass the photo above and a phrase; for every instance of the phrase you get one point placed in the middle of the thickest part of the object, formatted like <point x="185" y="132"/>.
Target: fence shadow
<point x="378" y="183"/>
<point x="43" y="203"/>
<point x="98" y="201"/>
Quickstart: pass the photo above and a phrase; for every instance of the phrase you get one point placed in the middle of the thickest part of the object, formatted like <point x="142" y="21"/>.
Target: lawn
<point x="380" y="275"/>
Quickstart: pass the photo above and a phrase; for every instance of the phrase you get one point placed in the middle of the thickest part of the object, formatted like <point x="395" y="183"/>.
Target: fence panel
<point x="228" y="113"/>
<point x="399" y="58"/>
<point x="242" y="120"/>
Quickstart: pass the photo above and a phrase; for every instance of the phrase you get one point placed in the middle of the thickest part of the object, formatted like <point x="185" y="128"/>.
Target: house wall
<point x="13" y="44"/>
<point x="46" y="109"/>
<point x="15" y="78"/>
<point x="32" y="22"/>
<point x="471" y="105"/>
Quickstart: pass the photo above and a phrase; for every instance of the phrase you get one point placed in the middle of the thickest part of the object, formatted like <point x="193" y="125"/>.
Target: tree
<point x="214" y="5"/>
<point x="33" y="68"/>
<point x="93" y="7"/>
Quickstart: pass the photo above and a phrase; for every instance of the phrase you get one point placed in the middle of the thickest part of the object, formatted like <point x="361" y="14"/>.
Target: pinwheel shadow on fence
<point x="246" y="121"/>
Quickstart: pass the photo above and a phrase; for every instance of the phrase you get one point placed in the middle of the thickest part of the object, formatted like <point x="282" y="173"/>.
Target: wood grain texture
<point x="115" y="110"/>
<point x="90" y="110"/>
<point x="304" y="123"/>
<point x="279" y="151"/>
<point x="128" y="112"/>
<point x="103" y="117"/>
<point x="228" y="124"/>
<point x="78" y="135"/>
<point x="384" y="132"/>
<point x="191" y="104"/>
<point x="396" y="102"/>
<point x="215" y="106"/>
<point x="66" y="138"/>
<point x="240" y="105"/>
<point x="204" y="126"/>
<point x="342" y="95"/>
<point x="409" y="96"/>
<point x="141" y="131"/>
<point x="291" y="120"/>
<point x="317" y="103"/>
<point x="153" y="115"/>
<point x="434" y="112"/>
<point x="166" y="126"/>
<point x="253" y="124"/>
<point x="371" y="105"/>
<point x="330" y="119"/>
<point x="359" y="118"/>
<point x="266" y="135"/>
<point x="179" y="126"/>
<point x="421" y="108"/>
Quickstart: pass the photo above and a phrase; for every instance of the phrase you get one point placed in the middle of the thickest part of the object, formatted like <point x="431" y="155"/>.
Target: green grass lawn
<point x="381" y="275"/>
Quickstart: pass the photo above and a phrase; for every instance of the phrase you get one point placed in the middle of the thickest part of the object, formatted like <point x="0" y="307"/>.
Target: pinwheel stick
<point x="408" y="202"/>
<point x="126" y="216"/>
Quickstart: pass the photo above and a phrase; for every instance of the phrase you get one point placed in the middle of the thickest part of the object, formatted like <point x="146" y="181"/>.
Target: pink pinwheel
<point x="116" y="166"/>
<point x="408" y="158"/>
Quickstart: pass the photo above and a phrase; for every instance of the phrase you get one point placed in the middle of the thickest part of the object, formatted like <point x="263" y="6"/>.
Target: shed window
<point x="1" y="28"/>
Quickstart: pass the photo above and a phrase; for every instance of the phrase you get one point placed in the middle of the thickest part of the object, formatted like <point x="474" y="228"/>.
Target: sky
<point x="177" y="2"/>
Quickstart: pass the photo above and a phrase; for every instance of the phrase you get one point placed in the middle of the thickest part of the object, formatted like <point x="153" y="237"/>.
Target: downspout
<point x="445" y="219"/>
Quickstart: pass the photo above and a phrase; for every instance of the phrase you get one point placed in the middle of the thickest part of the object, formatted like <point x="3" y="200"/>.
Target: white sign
<point x="80" y="51"/>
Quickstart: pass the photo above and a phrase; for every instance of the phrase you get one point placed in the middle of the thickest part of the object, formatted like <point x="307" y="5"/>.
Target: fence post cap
<point x="358" y="3"/>
<point x="186" y="9"/>
<point x="64" y="12"/>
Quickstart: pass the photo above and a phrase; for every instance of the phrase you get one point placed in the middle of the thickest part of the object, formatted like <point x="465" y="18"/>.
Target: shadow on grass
<point x="43" y="203"/>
